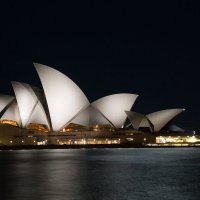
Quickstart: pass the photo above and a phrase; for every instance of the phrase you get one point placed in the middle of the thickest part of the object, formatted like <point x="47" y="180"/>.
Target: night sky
<point x="148" y="48"/>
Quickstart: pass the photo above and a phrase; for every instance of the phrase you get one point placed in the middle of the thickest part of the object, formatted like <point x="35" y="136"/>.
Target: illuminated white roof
<point x="12" y="113"/>
<point x="135" y="118"/>
<point x="96" y="118"/>
<point x="160" y="118"/>
<point x="30" y="108"/>
<point x="64" y="98"/>
<point x="5" y="100"/>
<point x="146" y="123"/>
<point x="113" y="107"/>
<point x="90" y="117"/>
<point x="139" y="120"/>
<point x="83" y="118"/>
<point x="38" y="116"/>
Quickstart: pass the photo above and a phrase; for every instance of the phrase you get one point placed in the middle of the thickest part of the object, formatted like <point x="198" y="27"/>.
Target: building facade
<point x="59" y="113"/>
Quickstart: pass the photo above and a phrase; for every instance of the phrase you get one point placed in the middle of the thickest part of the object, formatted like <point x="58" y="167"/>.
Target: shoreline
<point x="91" y="146"/>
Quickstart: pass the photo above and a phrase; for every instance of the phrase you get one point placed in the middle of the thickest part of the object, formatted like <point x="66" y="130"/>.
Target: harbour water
<point x="103" y="174"/>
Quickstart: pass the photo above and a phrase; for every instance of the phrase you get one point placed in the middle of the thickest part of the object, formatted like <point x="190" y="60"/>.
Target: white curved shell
<point x="135" y="118"/>
<point x="160" y="118"/>
<point x="12" y="113"/>
<point x="5" y="100"/>
<point x="30" y="108"/>
<point x="83" y="118"/>
<point x="139" y="120"/>
<point x="64" y="98"/>
<point x="38" y="116"/>
<point x="90" y="117"/>
<point x="96" y="118"/>
<point x="113" y="107"/>
<point x="146" y="123"/>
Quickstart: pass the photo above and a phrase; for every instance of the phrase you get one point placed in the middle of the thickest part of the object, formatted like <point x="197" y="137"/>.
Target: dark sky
<point x="148" y="48"/>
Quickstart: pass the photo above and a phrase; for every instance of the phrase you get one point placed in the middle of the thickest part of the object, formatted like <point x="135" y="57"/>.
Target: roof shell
<point x="12" y="113"/>
<point x="160" y="118"/>
<point x="30" y="108"/>
<point x="113" y="107"/>
<point x="135" y="118"/>
<point x="89" y="117"/>
<point x="64" y="98"/>
<point x="5" y="100"/>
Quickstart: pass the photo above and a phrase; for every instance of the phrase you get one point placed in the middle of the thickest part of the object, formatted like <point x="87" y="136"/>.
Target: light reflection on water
<point x="100" y="174"/>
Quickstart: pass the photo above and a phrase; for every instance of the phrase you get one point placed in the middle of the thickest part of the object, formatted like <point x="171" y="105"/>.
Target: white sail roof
<point x="5" y="100"/>
<point x="38" y="116"/>
<point x="96" y="118"/>
<point x="160" y="118"/>
<point x="89" y="117"/>
<point x="146" y="123"/>
<point x="83" y="118"/>
<point x="12" y="113"/>
<point x="135" y="118"/>
<point x="113" y="107"/>
<point x="30" y="108"/>
<point x="64" y="98"/>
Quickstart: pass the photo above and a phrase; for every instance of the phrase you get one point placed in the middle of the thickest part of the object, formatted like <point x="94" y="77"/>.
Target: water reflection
<point x="100" y="174"/>
<point x="43" y="175"/>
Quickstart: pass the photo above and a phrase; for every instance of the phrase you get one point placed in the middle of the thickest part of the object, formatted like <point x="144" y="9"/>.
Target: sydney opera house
<point x="59" y="113"/>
